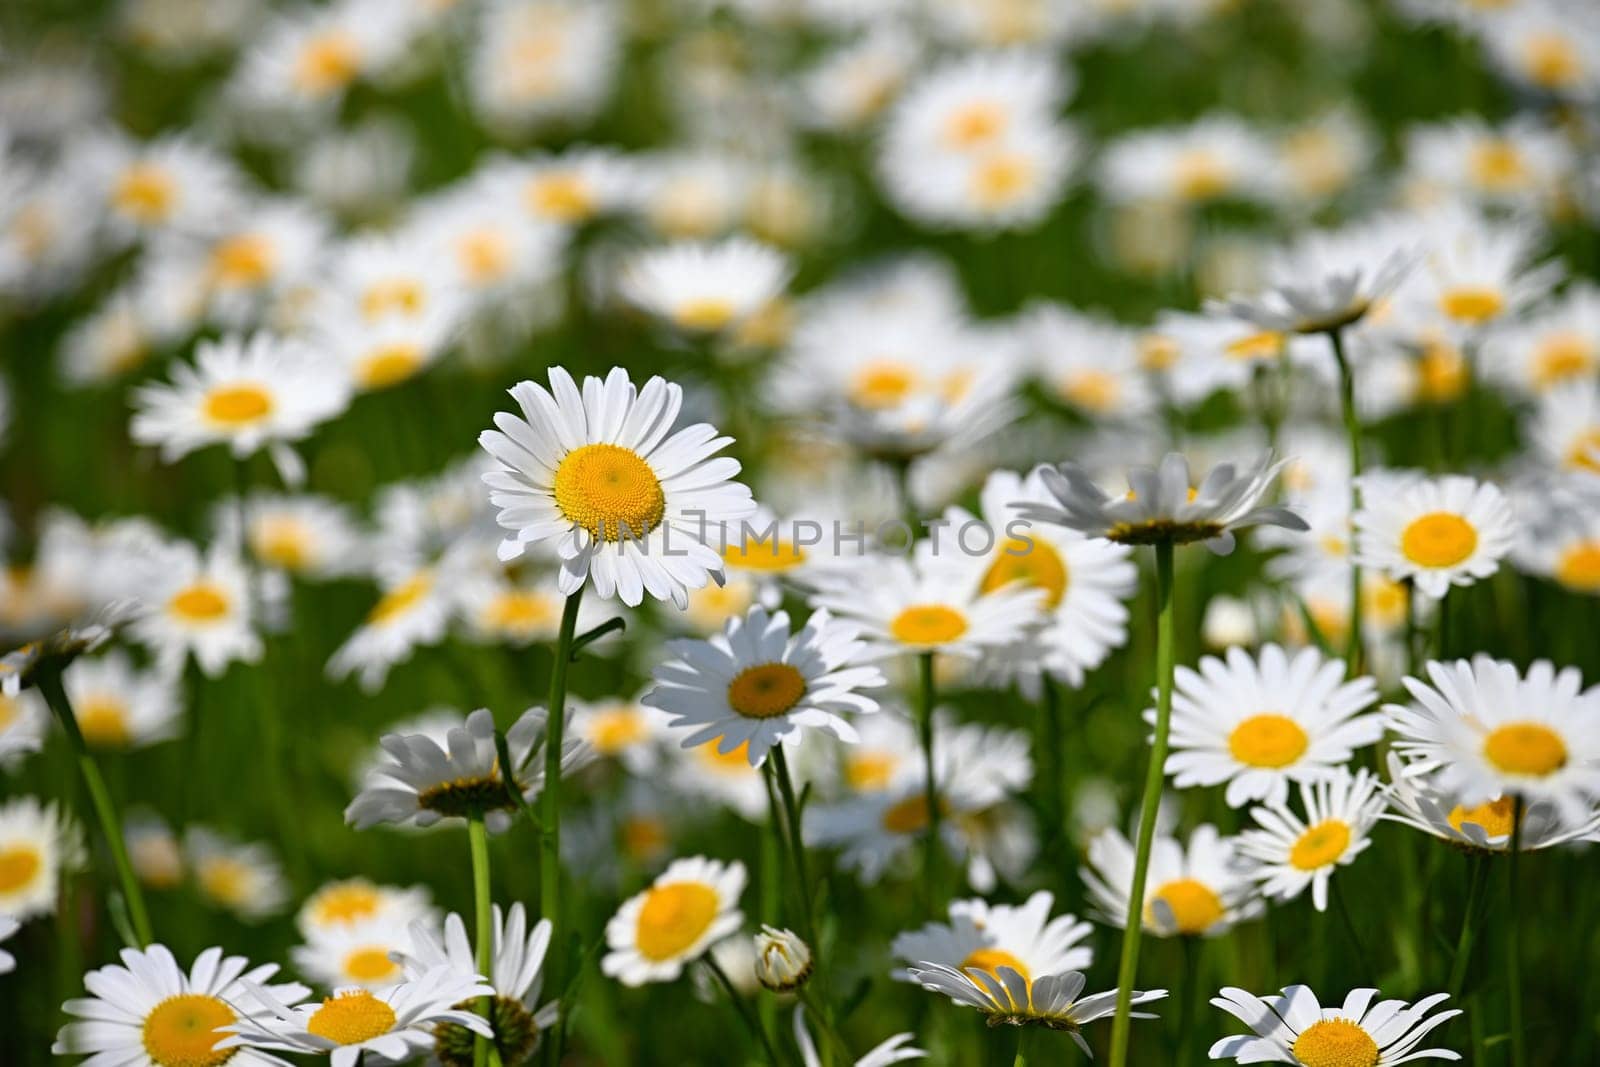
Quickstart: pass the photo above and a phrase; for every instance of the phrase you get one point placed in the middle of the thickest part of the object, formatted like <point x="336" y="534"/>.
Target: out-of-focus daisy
<point x="1326" y="282"/>
<point x="629" y="731"/>
<point x="598" y="473"/>
<point x="262" y="263"/>
<point x="491" y="250"/>
<point x="307" y="536"/>
<point x="8" y="927"/>
<point x="1007" y="998"/>
<point x="538" y="61"/>
<point x="147" y="1010"/>
<point x="425" y="780"/>
<point x="153" y="850"/>
<point x="498" y="608"/>
<point x="354" y="900"/>
<point x="1294" y="1028"/>
<point x="365" y="953"/>
<point x="1555" y="347"/>
<point x="728" y="778"/>
<point x="1216" y="157"/>
<point x="1195" y="356"/>
<point x="246" y="393"/>
<point x="1520" y="164"/>
<point x="759" y="683"/>
<point x="117" y="338"/>
<point x="1011" y="184"/>
<point x="1474" y="273"/>
<point x="1485" y="731"/>
<point x="1564" y="547"/>
<point x="1261" y="722"/>
<point x="1289" y="853"/>
<point x="245" y="879"/>
<point x="693" y="904"/>
<point x="1548" y="47"/>
<point x="704" y="288"/>
<point x="386" y="351"/>
<point x="1565" y="430"/>
<point x="197" y="604"/>
<point x="38" y="844"/>
<point x="1163" y="503"/>
<point x="119" y="706"/>
<point x="1197" y="891"/>
<point x="1096" y="367"/>
<point x="1323" y="157"/>
<point x="307" y="60"/>
<point x="515" y="973"/>
<point x="171" y="184"/>
<point x="395" y="1025"/>
<point x="985" y="937"/>
<point x="1439" y="532"/>
<point x="414" y="611"/>
<point x="576" y="186"/>
<point x="1416" y="802"/>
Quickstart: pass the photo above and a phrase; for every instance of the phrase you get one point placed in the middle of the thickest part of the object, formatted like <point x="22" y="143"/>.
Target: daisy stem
<point x="550" y="792"/>
<point x="930" y="785"/>
<point x="55" y="694"/>
<point x="478" y="841"/>
<point x="745" y="1014"/>
<point x="1129" y="966"/>
<point x="797" y="848"/>
<point x="1519" y="1040"/>
<point x="1469" y="925"/>
<point x="1352" y="429"/>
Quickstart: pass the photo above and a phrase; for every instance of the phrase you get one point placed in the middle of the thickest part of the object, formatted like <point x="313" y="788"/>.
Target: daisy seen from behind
<point x="1006" y="998"/>
<point x="985" y="937"/>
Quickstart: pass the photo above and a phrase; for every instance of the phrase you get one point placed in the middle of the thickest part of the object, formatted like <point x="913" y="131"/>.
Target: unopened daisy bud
<point x="783" y="961"/>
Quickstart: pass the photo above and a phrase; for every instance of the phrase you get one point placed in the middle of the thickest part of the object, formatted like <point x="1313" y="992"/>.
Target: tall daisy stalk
<point x="550" y="794"/>
<point x="483" y="928"/>
<point x="1352" y="430"/>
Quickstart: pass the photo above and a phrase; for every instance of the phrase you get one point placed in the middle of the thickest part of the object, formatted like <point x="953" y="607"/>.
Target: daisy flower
<point x="395" y="1025"/>
<point x="246" y="393"/>
<point x="268" y="258"/>
<point x="1096" y="367"/>
<point x="354" y="900"/>
<point x="985" y="937"/>
<point x="1326" y="282"/>
<point x="1565" y="430"/>
<point x="1216" y="157"/>
<point x="704" y="288"/>
<point x="1548" y="47"/>
<point x="628" y="731"/>
<point x="726" y="778"/>
<point x="690" y="906"/>
<point x="1007" y="998"/>
<point x="854" y="81"/>
<point x="200" y="605"/>
<point x="1011" y="184"/>
<point x="1484" y="731"/>
<point x="1522" y="163"/>
<point x="146" y="1011"/>
<point x="1560" y="345"/>
<point x="244" y="879"/>
<point x="1294" y="1028"/>
<point x="783" y="960"/>
<point x="1197" y="891"/>
<point x="153" y="850"/>
<point x="425" y="779"/>
<point x="492" y="252"/>
<point x="515" y="973"/>
<point x="628" y="505"/>
<point x="1289" y="853"/>
<point x="1437" y="532"/>
<point x="38" y="845"/>
<point x="1564" y="547"/>
<point x="307" y="60"/>
<point x="1416" y="802"/>
<point x="171" y="184"/>
<point x="307" y="536"/>
<point x="1474" y="273"/>
<point x="759" y="683"/>
<point x="577" y="185"/>
<point x="120" y="707"/>
<point x="386" y="351"/>
<point x="896" y="1049"/>
<point x="1163" y="503"/>
<point x="366" y="953"/>
<point x="24" y="721"/>
<point x="575" y="48"/>
<point x="414" y="611"/>
<point x="1261" y="722"/>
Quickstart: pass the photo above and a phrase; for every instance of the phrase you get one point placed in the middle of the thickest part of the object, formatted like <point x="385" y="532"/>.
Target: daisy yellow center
<point x="400" y="600"/>
<point x="1563" y="356"/>
<point x="8" y="712"/>
<point x="1525" y="748"/>
<point x="1441" y="372"/>
<point x="329" y="62"/>
<point x="181" y="1031"/>
<point x="928" y="624"/>
<point x="395" y="295"/>
<point x="346" y="903"/>
<point x="1036" y="565"/>
<point x="1321" y="845"/>
<point x="1383" y="600"/>
<point x="764" y="555"/>
<point x="673" y="918"/>
<point x="238" y="405"/>
<point x="910" y="816"/>
<point x="766" y="691"/>
<point x="520" y="610"/>
<point x="389" y="365"/>
<point x="990" y="960"/>
<point x="883" y="384"/>
<point x="244" y="260"/>
<point x="225" y="880"/>
<point x="1579" y="567"/>
<point x="1335" y="1043"/>
<point x="283" y="542"/>
<point x="1471" y="303"/>
<point x="1092" y="390"/>
<point x="559" y="196"/>
<point x="201" y="602"/>
<point x="370" y="964"/>
<point x="351" y="1017"/>
<point x="19" y="865"/>
<point x="609" y="491"/>
<point x="613" y="731"/>
<point x="484" y="255"/>
<point x="103" y="721"/>
<point x="975" y="124"/>
<point x="1497" y="164"/>
<point x="869" y="771"/>
<point x="1264" y="345"/>
<point x="1002" y="178"/>
<point x="1157" y="352"/>
<point x="1552" y="61"/>
<point x="1438" y="539"/>
<point x="1268" y="740"/>
<point x="1585" y="451"/>
<point x="704" y="314"/>
<point x="1496" y="817"/>
<point x="145" y="192"/>
<point x="643" y="836"/>
<point x="734" y="762"/>
<point x="1194" y="906"/>
<point x="1201" y="176"/>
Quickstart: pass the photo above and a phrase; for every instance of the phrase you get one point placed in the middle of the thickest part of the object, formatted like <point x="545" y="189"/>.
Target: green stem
<point x="926" y="695"/>
<point x="1352" y="429"/>
<point x="550" y="803"/>
<point x="1469" y="925"/>
<point x="55" y="694"/>
<point x="797" y="849"/>
<point x="483" y="924"/>
<point x="1519" y="1040"/>
<point x="750" y="1021"/>
<point x="1129" y="965"/>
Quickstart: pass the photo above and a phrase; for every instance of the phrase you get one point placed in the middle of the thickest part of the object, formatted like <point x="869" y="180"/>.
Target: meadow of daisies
<point x="801" y="532"/>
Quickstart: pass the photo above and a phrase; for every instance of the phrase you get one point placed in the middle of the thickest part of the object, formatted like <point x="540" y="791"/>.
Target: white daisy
<point x="1565" y="430"/>
<point x="147" y="1012"/>
<point x="1483" y="731"/>
<point x="265" y="262"/>
<point x="1289" y="853"/>
<point x="1197" y="891"/>
<point x="1557" y="346"/>
<point x="690" y="906"/>
<point x="39" y="844"/>
<point x="413" y="612"/>
<point x="727" y="778"/>
<point x="24" y="721"/>
<point x="1474" y="272"/>
<point x="759" y="683"/>
<point x="540" y="61"/>
<point x="985" y="937"/>
<point x="629" y="731"/>
<point x="577" y="185"/>
<point x="704" y="288"/>
<point x="153" y="850"/>
<point x="627" y="504"/>
<point x="307" y="536"/>
<point x="1215" y="157"/>
<point x="377" y="353"/>
<point x="197" y="604"/>
<point x="1011" y="184"/>
<point x="1563" y="546"/>
<point x="499" y="609"/>
<point x="1522" y="163"/>
<point x="492" y="251"/>
<point x="171" y="184"/>
<point x="245" y="879"/>
<point x="1096" y="367"/>
<point x="1548" y="47"/>
<point x="306" y="60"/>
<point x="1436" y="532"/>
<point x="366" y="953"/>
<point x="1415" y="801"/>
<point x="1326" y="282"/>
<point x="354" y="900"/>
<point x="1294" y="1028"/>
<point x="120" y="707"/>
<point x="1053" y="1001"/>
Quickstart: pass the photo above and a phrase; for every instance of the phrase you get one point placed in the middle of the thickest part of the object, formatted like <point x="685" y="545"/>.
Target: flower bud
<point x="783" y="961"/>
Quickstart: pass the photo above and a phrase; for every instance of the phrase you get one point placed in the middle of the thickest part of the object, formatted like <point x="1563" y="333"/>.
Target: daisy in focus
<point x="1289" y="853"/>
<point x="1193" y="891"/>
<point x="690" y="906"/>
<point x="705" y="288"/>
<point x="1437" y="533"/>
<point x="1294" y="1028"/>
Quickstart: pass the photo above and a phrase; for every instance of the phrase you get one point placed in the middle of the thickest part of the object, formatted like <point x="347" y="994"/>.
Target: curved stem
<point x="483" y="925"/>
<point x="926" y="694"/>
<point x="1519" y="1040"/>
<point x="750" y="1021"/>
<point x="1352" y="429"/>
<point x="1469" y="925"/>
<point x="55" y="694"/>
<point x="1129" y="965"/>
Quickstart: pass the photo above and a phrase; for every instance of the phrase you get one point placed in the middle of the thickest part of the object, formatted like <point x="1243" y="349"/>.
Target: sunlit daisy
<point x="377" y="353"/>
<point x="1416" y="802"/>
<point x="119" y="706"/>
<point x="1474" y="273"/>
<point x="245" y="879"/>
<point x="1007" y="998"/>
<point x="1327" y="281"/>
<point x="1197" y="891"/>
<point x="354" y="900"/>
<point x="985" y="937"/>
<point x="1294" y="1028"/>
<point x="1484" y="731"/>
<point x="39" y="844"/>
<point x="200" y="605"/>
<point x="262" y="262"/>
<point x="597" y="472"/>
<point x="1289" y="853"/>
<point x="704" y="288"/>
<point x="1436" y="532"/>
<point x="689" y="907"/>
<point x="727" y="778"/>
<point x="147" y="1011"/>
<point x="171" y="184"/>
<point x="1562" y="545"/>
<point x="629" y="731"/>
